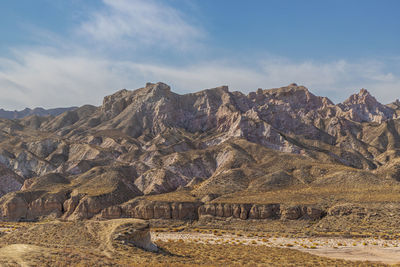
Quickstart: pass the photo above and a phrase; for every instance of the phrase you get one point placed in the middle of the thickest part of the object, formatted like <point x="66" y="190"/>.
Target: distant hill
<point x="7" y="114"/>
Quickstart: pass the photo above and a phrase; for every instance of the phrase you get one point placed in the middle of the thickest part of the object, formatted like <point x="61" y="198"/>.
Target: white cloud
<point x="141" y="23"/>
<point x="67" y="72"/>
<point x="51" y="80"/>
<point x="337" y="79"/>
<point x="36" y="79"/>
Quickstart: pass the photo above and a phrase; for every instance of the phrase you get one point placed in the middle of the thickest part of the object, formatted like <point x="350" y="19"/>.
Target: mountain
<point x="29" y="112"/>
<point x="151" y="153"/>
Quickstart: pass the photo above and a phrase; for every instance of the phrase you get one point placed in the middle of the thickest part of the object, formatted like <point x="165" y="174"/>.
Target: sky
<point x="57" y="53"/>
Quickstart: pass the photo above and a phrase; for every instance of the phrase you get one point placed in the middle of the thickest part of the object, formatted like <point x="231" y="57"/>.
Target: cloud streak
<point x="39" y="79"/>
<point x="141" y="23"/>
<point x="67" y="72"/>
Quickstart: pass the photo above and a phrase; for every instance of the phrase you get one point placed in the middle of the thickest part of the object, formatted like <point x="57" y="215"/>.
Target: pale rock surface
<point x="88" y="161"/>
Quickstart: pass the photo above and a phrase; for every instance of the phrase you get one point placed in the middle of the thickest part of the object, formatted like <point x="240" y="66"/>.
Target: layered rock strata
<point x="147" y="210"/>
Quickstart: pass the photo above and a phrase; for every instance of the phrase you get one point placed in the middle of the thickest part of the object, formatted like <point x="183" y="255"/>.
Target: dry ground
<point x="356" y="249"/>
<point x="88" y="244"/>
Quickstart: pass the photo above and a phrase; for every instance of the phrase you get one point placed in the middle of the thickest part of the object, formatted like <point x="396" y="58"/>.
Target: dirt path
<point x="20" y="254"/>
<point x="385" y="251"/>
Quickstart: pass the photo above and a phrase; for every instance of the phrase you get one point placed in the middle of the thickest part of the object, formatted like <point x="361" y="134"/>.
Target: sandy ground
<point x="6" y="230"/>
<point x="368" y="249"/>
<point x="21" y="254"/>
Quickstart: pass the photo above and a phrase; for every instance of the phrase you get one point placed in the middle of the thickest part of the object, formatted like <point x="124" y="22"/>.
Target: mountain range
<point x="151" y="153"/>
<point x="7" y="114"/>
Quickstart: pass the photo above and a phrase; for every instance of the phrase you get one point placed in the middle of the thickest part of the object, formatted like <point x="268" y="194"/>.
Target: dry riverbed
<point x="361" y="249"/>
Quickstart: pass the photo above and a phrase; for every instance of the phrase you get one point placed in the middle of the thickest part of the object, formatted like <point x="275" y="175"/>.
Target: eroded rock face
<point x="302" y="212"/>
<point x="263" y="211"/>
<point x="31" y="206"/>
<point x="144" y="209"/>
<point x="9" y="181"/>
<point x="363" y="107"/>
<point x="259" y="211"/>
<point x="50" y="205"/>
<point x="13" y="208"/>
<point x="213" y="142"/>
<point x="136" y="233"/>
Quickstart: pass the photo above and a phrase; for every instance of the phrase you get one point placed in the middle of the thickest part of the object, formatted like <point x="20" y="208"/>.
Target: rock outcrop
<point x="144" y="209"/>
<point x="136" y="233"/>
<point x="363" y="107"/>
<point x="149" y="210"/>
<point x="9" y="181"/>
<point x="92" y="162"/>
<point x="261" y="211"/>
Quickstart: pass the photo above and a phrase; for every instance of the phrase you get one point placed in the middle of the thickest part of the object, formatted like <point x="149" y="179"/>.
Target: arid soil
<point x="92" y="243"/>
<point x="367" y="249"/>
<point x="273" y="176"/>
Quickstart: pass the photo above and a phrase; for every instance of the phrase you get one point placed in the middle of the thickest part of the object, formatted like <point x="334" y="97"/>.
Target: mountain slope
<point x="41" y="112"/>
<point x="213" y="144"/>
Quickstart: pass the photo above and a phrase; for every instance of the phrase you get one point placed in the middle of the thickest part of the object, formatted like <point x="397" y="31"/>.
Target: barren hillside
<point x="151" y="153"/>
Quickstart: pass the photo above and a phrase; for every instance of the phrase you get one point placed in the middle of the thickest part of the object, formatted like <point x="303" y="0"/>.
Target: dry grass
<point x="239" y="254"/>
<point x="178" y="196"/>
<point x="318" y="194"/>
<point x="77" y="244"/>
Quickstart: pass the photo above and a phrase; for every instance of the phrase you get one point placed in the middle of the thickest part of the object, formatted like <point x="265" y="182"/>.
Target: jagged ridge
<point x="153" y="141"/>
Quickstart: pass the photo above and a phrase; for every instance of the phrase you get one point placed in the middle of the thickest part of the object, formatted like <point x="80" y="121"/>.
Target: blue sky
<point x="61" y="53"/>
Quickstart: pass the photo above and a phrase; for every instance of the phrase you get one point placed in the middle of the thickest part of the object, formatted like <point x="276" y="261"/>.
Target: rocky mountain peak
<point x="363" y="97"/>
<point x="223" y="88"/>
<point x="41" y="112"/>
<point x="152" y="141"/>
<point x="116" y="102"/>
<point x="364" y="107"/>
<point x="364" y="91"/>
<point x="158" y="88"/>
<point x="295" y="96"/>
<point x="395" y="104"/>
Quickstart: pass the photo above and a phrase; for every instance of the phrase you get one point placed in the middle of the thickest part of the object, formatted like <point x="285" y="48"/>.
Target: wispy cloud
<point x="66" y="72"/>
<point x="336" y="79"/>
<point x="37" y="78"/>
<point x="141" y="22"/>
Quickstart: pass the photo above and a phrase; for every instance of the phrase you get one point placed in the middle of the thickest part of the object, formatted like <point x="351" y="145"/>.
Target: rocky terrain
<point x="7" y="114"/>
<point x="126" y="242"/>
<point x="276" y="154"/>
<point x="75" y="243"/>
